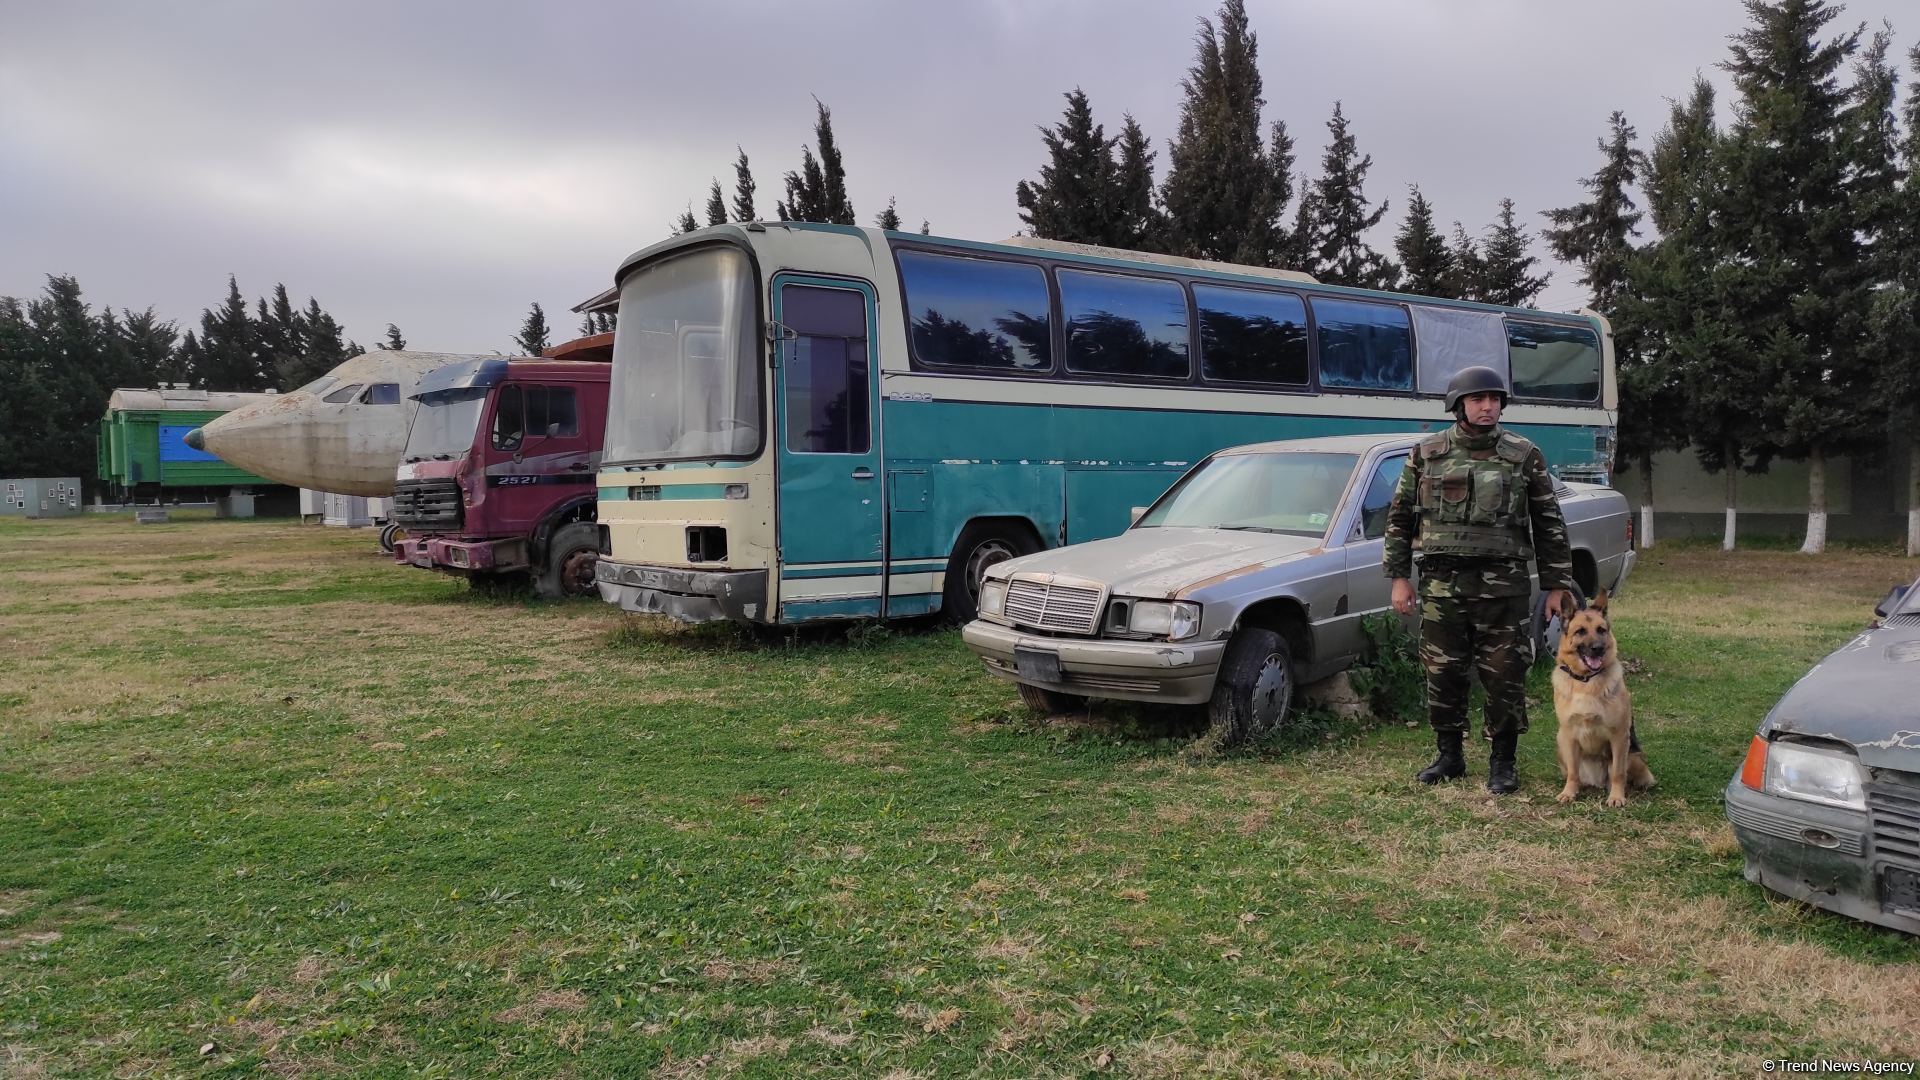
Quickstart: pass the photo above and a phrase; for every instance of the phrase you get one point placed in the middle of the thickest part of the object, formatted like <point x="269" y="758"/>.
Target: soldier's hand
<point x="1403" y="596"/>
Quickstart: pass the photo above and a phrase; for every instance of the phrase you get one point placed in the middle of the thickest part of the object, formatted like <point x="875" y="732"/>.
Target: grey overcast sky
<point x="440" y="164"/>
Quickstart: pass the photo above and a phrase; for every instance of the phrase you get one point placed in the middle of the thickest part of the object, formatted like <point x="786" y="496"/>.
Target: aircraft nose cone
<point x="195" y="439"/>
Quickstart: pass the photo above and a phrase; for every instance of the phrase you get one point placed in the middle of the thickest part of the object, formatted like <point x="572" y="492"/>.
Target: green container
<point x="143" y="447"/>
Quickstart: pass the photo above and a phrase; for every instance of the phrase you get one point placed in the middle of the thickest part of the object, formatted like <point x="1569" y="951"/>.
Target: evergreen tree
<point x="1896" y="322"/>
<point x="1138" y="222"/>
<point x="1505" y="263"/>
<point x="532" y="339"/>
<point x="586" y="326"/>
<point x="1469" y="266"/>
<point x="1297" y="250"/>
<point x="1798" y="280"/>
<point x="818" y="192"/>
<point x="687" y="223"/>
<point x="188" y="360"/>
<point x="1425" y="263"/>
<point x="230" y="347"/>
<point x="716" y="205"/>
<point x="604" y="321"/>
<point x="1073" y="198"/>
<point x="64" y="362"/>
<point x="283" y="340"/>
<point x="926" y="227"/>
<point x="743" y="187"/>
<point x="325" y="348"/>
<point x="395" y="342"/>
<point x="149" y="349"/>
<point x="1222" y="181"/>
<point x="889" y="218"/>
<point x="1344" y="215"/>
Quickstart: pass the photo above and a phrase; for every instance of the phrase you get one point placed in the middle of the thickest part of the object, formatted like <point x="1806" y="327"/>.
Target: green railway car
<point x="143" y="452"/>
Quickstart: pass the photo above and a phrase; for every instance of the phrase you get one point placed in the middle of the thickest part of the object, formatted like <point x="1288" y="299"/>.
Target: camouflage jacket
<point x="1485" y="553"/>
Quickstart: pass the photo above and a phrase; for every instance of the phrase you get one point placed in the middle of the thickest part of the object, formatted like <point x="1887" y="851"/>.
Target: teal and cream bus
<point x="813" y="422"/>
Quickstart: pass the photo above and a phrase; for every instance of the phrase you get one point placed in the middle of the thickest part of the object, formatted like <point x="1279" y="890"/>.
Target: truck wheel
<point x="390" y="535"/>
<point x="1045" y="702"/>
<point x="1254" y="689"/>
<point x="982" y="544"/>
<point x="1546" y="629"/>
<point x="571" y="556"/>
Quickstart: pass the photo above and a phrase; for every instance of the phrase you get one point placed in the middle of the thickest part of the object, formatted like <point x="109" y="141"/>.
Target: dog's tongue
<point x="1594" y="663"/>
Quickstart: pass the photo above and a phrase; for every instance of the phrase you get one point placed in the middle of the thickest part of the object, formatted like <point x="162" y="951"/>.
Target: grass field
<point x="268" y="802"/>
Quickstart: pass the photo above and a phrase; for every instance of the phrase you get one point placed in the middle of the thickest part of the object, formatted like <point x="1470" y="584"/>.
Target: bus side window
<point x="1363" y="346"/>
<point x="509" y="420"/>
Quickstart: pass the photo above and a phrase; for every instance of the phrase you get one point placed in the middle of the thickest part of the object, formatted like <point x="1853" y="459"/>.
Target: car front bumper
<point x="1178" y="674"/>
<point x="1822" y="855"/>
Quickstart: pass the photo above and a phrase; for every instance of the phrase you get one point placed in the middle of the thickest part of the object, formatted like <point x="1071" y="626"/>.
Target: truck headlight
<point x="993" y="597"/>
<point x="1176" y="619"/>
<point x="1815" y="774"/>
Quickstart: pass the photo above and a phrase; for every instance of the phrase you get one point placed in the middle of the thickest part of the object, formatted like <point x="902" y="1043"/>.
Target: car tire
<point x="1544" y="631"/>
<point x="568" y="568"/>
<point x="1044" y="702"/>
<point x="1254" y="690"/>
<point x="981" y="545"/>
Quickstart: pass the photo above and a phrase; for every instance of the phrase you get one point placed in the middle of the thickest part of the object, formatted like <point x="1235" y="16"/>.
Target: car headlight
<point x="1176" y="619"/>
<point x="1816" y="774"/>
<point x="993" y="597"/>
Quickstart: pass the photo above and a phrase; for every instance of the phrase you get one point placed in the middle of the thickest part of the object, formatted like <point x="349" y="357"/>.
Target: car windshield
<point x="444" y="423"/>
<point x="1288" y="492"/>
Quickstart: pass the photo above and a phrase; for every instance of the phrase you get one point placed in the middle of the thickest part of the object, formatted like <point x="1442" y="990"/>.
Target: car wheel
<point x="1045" y="702"/>
<point x="981" y="545"/>
<point x="1254" y="689"/>
<point x="571" y="556"/>
<point x="1546" y="628"/>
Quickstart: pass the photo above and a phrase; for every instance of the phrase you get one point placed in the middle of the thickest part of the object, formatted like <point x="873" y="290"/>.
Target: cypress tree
<point x="149" y="348"/>
<point x="1297" y="250"/>
<point x="1222" y="180"/>
<point x="586" y="326"/>
<point x="1798" y="280"/>
<point x="1469" y="266"/>
<point x="395" y="342"/>
<point x="69" y="370"/>
<point x="1138" y="222"/>
<point x="1896" y="317"/>
<point x="1344" y="215"/>
<point x="743" y="190"/>
<point x="716" y="205"/>
<point x="926" y="227"/>
<point x="889" y="218"/>
<point x="20" y="405"/>
<point x="1074" y="197"/>
<point x="283" y="341"/>
<point x="188" y="360"/>
<point x="687" y="222"/>
<point x="325" y="349"/>
<point x="1425" y="263"/>
<point x="230" y="347"/>
<point x="532" y="338"/>
<point x="818" y="192"/>
<point x="1505" y="263"/>
<point x="604" y="321"/>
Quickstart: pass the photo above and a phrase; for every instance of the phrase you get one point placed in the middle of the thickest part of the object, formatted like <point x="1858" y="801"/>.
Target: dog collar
<point x="1588" y="677"/>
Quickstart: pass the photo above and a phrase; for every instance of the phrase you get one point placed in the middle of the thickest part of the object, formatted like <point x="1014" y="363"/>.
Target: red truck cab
<point x="498" y="475"/>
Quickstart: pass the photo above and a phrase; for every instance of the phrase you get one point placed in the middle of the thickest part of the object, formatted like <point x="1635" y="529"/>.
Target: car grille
<point x="1908" y="619"/>
<point x="1789" y="827"/>
<point x="1052" y="606"/>
<point x="426" y="504"/>
<point x="1894" y="811"/>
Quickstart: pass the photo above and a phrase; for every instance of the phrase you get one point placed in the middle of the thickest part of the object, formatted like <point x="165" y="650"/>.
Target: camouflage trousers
<point x="1489" y="636"/>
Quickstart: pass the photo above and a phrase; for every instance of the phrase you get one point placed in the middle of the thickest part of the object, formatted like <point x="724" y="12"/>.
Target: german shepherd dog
<point x="1596" y="742"/>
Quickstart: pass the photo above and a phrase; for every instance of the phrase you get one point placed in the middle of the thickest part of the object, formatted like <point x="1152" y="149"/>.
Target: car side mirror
<point x="553" y="430"/>
<point x="1890" y="601"/>
<point x="1136" y="514"/>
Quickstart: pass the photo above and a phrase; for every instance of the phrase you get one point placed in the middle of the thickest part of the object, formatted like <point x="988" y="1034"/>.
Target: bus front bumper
<point x="693" y="596"/>
<point x="1178" y="674"/>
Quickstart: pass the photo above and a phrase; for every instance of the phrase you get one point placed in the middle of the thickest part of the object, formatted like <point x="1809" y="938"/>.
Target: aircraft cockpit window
<point x="345" y="393"/>
<point x="382" y="393"/>
<point x="317" y="385"/>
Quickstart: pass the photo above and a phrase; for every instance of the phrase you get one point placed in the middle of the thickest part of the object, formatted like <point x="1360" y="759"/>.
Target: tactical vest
<point x="1474" y="507"/>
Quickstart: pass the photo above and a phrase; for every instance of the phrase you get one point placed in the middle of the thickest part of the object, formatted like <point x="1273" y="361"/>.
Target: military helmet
<point x="1475" y="380"/>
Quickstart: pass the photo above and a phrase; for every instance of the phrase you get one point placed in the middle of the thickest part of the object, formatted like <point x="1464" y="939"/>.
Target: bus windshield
<point x="686" y="382"/>
<point x="1288" y="492"/>
<point x="444" y="423"/>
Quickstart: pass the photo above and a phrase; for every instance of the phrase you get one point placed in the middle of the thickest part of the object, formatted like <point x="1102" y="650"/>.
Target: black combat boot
<point x="1502" y="779"/>
<point x="1451" y="764"/>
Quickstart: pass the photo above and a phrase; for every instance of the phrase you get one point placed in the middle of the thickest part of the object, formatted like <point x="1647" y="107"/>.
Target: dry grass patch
<point x="542" y="1003"/>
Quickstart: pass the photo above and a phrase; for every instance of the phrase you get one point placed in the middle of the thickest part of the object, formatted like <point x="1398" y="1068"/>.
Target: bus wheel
<point x="571" y="557"/>
<point x="1254" y="689"/>
<point x="982" y="544"/>
<point x="1044" y="702"/>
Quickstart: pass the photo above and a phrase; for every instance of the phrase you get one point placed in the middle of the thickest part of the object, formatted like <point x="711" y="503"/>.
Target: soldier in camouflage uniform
<point x="1477" y="503"/>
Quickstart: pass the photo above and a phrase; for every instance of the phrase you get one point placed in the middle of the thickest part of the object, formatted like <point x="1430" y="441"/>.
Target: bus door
<point x="832" y="486"/>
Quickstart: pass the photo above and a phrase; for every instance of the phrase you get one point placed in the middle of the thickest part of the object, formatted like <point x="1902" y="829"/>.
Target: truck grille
<point x="1894" y="811"/>
<point x="426" y="504"/>
<point x="1053" y="606"/>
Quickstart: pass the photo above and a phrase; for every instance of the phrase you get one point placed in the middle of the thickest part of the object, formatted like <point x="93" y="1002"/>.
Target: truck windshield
<point x="444" y="424"/>
<point x="686" y="377"/>
<point x="1293" y="493"/>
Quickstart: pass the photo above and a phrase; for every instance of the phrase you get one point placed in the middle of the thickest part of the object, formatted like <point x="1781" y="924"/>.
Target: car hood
<point x="1862" y="694"/>
<point x="1162" y="561"/>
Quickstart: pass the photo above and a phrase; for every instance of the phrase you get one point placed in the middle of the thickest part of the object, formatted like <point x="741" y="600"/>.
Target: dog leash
<point x="1588" y="677"/>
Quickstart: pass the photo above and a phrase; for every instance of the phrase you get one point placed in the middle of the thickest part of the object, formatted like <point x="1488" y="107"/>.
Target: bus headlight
<point x="1176" y="619"/>
<point x="993" y="597"/>
<point x="1815" y="774"/>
